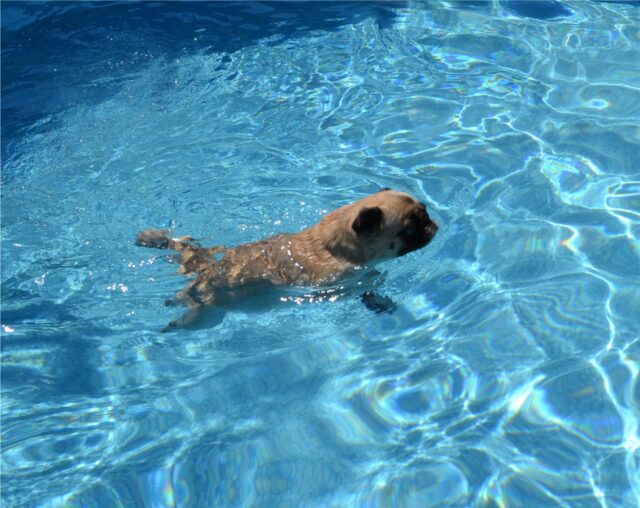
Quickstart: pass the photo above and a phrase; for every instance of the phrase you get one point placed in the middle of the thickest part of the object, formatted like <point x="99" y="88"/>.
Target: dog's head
<point x="390" y="224"/>
<point x="384" y="225"/>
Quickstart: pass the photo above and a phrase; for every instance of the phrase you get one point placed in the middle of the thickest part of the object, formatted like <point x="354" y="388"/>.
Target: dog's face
<point x="390" y="224"/>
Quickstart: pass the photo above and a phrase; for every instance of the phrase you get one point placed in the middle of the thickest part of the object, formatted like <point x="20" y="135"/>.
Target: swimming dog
<point x="381" y="226"/>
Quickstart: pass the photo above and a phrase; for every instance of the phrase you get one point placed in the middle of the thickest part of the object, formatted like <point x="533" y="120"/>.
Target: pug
<point x="381" y="226"/>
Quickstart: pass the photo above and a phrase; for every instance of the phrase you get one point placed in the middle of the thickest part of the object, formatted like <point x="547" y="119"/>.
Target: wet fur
<point x="380" y="226"/>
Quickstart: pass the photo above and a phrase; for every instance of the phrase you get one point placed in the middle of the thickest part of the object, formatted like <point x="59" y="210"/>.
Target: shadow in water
<point x="56" y="54"/>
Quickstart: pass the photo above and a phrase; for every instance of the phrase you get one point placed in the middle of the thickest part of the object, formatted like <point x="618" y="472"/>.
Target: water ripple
<point x="509" y="371"/>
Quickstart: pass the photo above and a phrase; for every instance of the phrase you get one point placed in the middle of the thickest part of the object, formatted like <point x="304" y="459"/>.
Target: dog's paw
<point x="378" y="303"/>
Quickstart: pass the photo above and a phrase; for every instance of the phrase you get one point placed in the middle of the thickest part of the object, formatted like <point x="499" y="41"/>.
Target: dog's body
<point x="381" y="226"/>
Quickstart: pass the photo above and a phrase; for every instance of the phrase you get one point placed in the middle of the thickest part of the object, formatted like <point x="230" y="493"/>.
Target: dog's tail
<point x="160" y="239"/>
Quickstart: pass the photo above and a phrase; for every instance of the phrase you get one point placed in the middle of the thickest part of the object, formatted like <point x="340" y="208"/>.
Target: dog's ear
<point x="368" y="221"/>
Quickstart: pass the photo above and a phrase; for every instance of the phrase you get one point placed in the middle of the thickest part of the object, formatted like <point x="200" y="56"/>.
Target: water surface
<point x="507" y="377"/>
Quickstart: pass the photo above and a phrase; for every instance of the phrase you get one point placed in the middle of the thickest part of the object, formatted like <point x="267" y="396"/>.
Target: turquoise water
<point x="507" y="377"/>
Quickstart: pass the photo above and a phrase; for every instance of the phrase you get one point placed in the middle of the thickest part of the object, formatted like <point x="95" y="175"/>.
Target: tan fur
<point x="370" y="230"/>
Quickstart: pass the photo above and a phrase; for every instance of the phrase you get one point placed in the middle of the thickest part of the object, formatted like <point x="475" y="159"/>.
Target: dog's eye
<point x="410" y="230"/>
<point x="423" y="209"/>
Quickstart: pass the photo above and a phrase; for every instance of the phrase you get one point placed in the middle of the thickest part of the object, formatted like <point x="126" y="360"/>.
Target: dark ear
<point x="368" y="220"/>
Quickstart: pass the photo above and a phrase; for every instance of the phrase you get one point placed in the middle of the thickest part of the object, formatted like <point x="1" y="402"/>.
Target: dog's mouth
<point x="420" y="239"/>
<point x="431" y="229"/>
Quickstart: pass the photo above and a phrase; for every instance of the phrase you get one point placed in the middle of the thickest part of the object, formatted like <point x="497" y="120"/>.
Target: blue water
<point x="507" y="377"/>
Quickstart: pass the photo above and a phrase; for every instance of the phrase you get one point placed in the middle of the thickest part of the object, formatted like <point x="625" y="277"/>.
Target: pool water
<point x="507" y="377"/>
